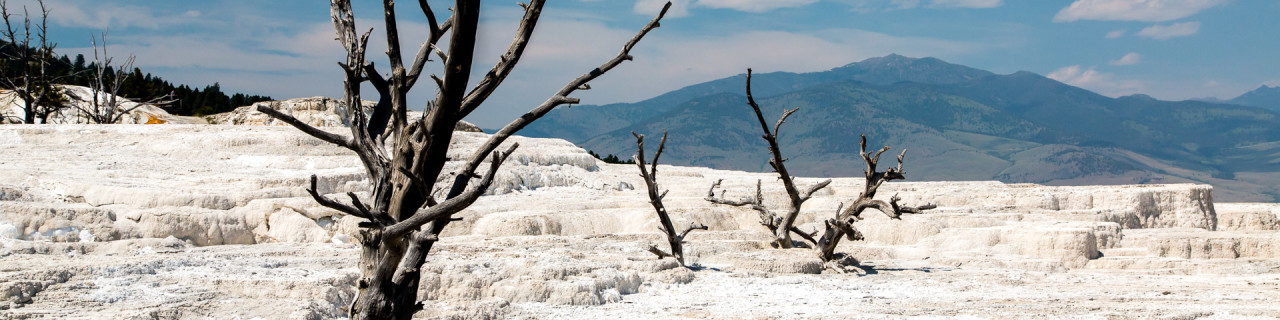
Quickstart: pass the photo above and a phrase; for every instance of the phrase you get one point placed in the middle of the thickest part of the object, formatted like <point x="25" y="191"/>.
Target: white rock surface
<point x="11" y="109"/>
<point x="315" y="111"/>
<point x="1248" y="216"/>
<point x="197" y="221"/>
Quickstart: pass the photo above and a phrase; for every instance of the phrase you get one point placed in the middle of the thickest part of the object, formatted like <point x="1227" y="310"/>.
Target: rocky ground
<point x="200" y="221"/>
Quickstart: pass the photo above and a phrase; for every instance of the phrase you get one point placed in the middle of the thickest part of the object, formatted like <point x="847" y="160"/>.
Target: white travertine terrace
<point x="121" y="221"/>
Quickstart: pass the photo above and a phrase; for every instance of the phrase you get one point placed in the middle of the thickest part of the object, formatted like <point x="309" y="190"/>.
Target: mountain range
<point x="958" y="123"/>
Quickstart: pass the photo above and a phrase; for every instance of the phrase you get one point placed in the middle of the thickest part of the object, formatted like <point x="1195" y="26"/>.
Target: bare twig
<point x="308" y="129"/>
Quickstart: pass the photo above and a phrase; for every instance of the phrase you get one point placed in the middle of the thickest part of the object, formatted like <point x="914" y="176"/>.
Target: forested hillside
<point x="138" y="85"/>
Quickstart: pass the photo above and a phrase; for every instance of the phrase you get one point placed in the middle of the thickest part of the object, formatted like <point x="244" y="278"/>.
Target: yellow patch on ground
<point x="152" y="120"/>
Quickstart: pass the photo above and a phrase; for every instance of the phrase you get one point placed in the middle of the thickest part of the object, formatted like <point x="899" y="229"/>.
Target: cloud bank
<point x="1133" y="10"/>
<point x="1093" y="80"/>
<point x="1129" y="59"/>
<point x="1164" y="32"/>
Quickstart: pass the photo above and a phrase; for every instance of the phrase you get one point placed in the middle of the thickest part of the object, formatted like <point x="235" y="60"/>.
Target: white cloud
<point x="966" y="3"/>
<point x="1128" y="59"/>
<point x="105" y="15"/>
<point x="1173" y="30"/>
<point x="756" y="6"/>
<point x="1133" y="10"/>
<point x="1272" y="83"/>
<point x="906" y="4"/>
<point x="679" y="8"/>
<point x="1100" y="82"/>
<point x="1116" y="34"/>
<point x="939" y="4"/>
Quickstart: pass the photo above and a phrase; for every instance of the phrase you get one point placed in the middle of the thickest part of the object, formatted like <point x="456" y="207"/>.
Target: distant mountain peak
<point x="891" y="59"/>
<point x="1025" y="73"/>
<point x="895" y="68"/>
<point x="1264" y="96"/>
<point x="1139" y="96"/>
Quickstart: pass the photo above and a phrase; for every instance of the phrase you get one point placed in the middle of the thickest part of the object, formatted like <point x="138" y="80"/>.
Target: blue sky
<point x="1170" y="49"/>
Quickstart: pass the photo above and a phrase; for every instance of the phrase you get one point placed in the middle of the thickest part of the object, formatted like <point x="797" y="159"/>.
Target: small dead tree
<point x="650" y="175"/>
<point x="31" y="80"/>
<point x="104" y="106"/>
<point x="403" y="220"/>
<point x="842" y="225"/>
<point x="781" y="226"/>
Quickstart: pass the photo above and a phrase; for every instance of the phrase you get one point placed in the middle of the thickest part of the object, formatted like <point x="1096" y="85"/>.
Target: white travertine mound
<point x="315" y="111"/>
<point x="197" y="221"/>
<point x="82" y="97"/>
<point x="241" y="185"/>
<point x="1132" y="206"/>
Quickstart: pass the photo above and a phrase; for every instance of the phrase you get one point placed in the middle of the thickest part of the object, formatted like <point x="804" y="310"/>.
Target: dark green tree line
<point x="137" y="86"/>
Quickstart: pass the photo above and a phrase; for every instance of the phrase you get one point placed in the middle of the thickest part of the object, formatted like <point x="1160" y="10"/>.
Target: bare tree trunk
<point x="650" y="175"/>
<point x="781" y="226"/>
<point x="104" y="105"/>
<point x="403" y="220"/>
<point x="842" y="225"/>
<point x="33" y="83"/>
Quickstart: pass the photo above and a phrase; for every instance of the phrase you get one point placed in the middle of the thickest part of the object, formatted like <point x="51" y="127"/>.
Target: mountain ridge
<point x="961" y="123"/>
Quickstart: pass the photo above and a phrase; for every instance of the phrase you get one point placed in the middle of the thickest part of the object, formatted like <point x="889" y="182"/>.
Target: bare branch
<point x="355" y="202"/>
<point x="661" y="254"/>
<point x="786" y="114"/>
<point x="900" y="157"/>
<point x="507" y="62"/>
<point x="329" y="203"/>
<point x="424" y="51"/>
<point x="809" y="192"/>
<point x="691" y="227"/>
<point x="806" y="236"/>
<point x="711" y="197"/>
<point x="918" y="210"/>
<point x="561" y="97"/>
<point x="876" y="158"/>
<point x="454" y="204"/>
<point x="344" y="142"/>
<point x="653" y="169"/>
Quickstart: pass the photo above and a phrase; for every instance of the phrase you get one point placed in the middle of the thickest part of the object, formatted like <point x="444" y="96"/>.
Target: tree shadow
<point x="870" y="269"/>
<point x="698" y="267"/>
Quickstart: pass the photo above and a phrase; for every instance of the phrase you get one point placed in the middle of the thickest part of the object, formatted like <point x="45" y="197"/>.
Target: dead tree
<point x="781" y="226"/>
<point x="104" y="106"/>
<point x="650" y="175"/>
<point x="842" y="225"/>
<point x="402" y="219"/>
<point x="31" y="80"/>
